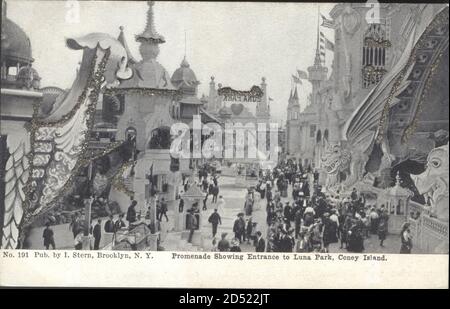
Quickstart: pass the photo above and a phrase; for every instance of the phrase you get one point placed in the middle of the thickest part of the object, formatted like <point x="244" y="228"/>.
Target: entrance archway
<point x="160" y="138"/>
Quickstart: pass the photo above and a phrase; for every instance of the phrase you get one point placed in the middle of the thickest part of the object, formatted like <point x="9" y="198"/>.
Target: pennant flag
<point x="296" y="79"/>
<point x="302" y="74"/>
<point x="328" y="23"/>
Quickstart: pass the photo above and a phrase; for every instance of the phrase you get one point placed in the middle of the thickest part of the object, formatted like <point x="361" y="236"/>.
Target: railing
<point x="416" y="208"/>
<point x="429" y="234"/>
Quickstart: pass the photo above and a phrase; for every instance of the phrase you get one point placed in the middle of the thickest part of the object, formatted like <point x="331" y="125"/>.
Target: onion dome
<point x="184" y="76"/>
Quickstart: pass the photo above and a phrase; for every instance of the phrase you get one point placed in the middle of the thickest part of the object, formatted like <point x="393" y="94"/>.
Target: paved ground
<point x="234" y="197"/>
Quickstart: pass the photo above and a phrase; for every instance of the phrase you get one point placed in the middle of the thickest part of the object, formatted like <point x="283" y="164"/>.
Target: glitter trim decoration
<point x="117" y="181"/>
<point x="143" y="92"/>
<point x="35" y="186"/>
<point x="440" y="19"/>
<point x="431" y="70"/>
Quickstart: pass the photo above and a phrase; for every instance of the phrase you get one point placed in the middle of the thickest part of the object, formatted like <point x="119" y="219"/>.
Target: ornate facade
<point x="345" y="109"/>
<point x="384" y="112"/>
<point x="237" y="112"/>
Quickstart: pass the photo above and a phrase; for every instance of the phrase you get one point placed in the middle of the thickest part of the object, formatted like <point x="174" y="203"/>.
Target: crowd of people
<point x="305" y="219"/>
<point x="314" y="219"/>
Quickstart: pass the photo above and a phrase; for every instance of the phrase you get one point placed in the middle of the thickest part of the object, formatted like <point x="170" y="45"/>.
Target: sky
<point x="237" y="43"/>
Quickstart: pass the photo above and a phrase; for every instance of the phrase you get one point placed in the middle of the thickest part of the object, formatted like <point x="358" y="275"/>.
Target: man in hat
<point x="48" y="236"/>
<point x="192" y="224"/>
<point x="131" y="212"/>
<point x="321" y="207"/>
<point x="316" y="176"/>
<point x="163" y="210"/>
<point x="97" y="233"/>
<point x="119" y="224"/>
<point x="109" y="225"/>
<point x="287" y="211"/>
<point x="298" y="221"/>
<point x="260" y="243"/>
<point x="239" y="227"/>
<point x="215" y="220"/>
<point x="354" y="195"/>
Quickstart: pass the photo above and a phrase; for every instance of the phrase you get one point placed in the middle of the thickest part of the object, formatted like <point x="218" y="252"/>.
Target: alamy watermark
<point x="373" y="14"/>
<point x="258" y="141"/>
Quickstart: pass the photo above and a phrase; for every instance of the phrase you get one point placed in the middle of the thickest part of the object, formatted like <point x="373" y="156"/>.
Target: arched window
<point x="312" y="130"/>
<point x="130" y="134"/>
<point x="325" y="135"/>
<point x="374" y="54"/>
<point x="160" y="138"/>
<point x="319" y="136"/>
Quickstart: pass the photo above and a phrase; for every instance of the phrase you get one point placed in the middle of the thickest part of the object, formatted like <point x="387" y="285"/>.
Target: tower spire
<point x="150" y="33"/>
<point x="295" y="96"/>
<point x="317" y="60"/>
<point x="185" y="44"/>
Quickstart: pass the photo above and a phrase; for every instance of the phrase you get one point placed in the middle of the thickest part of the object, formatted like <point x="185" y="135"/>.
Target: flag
<point x="270" y="99"/>
<point x="302" y="74"/>
<point x="296" y="79"/>
<point x="322" y="37"/>
<point x="328" y="23"/>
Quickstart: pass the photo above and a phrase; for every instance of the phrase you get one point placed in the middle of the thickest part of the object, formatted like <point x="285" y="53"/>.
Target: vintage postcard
<point x="187" y="144"/>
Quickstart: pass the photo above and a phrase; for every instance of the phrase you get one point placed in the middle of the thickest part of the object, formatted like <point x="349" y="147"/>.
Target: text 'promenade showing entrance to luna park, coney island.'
<point x="331" y="138"/>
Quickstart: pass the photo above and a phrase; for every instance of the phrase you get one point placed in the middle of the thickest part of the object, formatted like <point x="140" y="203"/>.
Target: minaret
<point x="149" y="38"/>
<point x="295" y="99"/>
<point x="289" y="108"/>
<point x="212" y="96"/>
<point x="262" y="110"/>
<point x="295" y="106"/>
<point x="290" y="99"/>
<point x="292" y="125"/>
<point x="317" y="72"/>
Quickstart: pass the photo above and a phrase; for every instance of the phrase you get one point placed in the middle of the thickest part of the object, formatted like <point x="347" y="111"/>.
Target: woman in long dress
<point x="248" y="207"/>
<point x="330" y="232"/>
<point x="220" y="205"/>
<point x="383" y="227"/>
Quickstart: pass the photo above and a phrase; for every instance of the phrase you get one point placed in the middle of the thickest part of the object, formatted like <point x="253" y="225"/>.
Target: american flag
<point x="322" y="46"/>
<point x="328" y="23"/>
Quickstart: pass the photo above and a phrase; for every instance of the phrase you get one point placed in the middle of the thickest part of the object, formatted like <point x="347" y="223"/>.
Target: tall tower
<point x="212" y="96"/>
<point x="292" y="123"/>
<point x="149" y="38"/>
<point x="293" y="110"/>
<point x="317" y="72"/>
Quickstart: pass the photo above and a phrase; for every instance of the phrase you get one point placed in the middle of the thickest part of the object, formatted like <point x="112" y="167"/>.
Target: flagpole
<point x="318" y="17"/>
